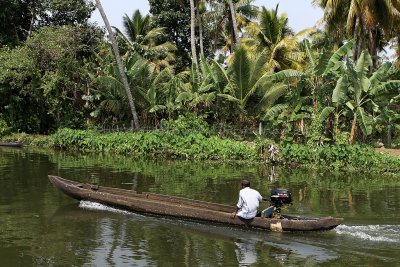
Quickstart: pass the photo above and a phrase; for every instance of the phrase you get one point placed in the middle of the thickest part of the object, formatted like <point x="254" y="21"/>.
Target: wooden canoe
<point x="183" y="208"/>
<point x="12" y="144"/>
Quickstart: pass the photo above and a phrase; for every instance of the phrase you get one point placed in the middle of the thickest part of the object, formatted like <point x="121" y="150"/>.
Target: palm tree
<point x="233" y="21"/>
<point x="222" y="20"/>
<point x="119" y="64"/>
<point x="274" y="37"/>
<point x="205" y="92"/>
<point x="192" y="32"/>
<point x="249" y="80"/>
<point x="369" y="22"/>
<point x="109" y="87"/>
<point x="142" y="39"/>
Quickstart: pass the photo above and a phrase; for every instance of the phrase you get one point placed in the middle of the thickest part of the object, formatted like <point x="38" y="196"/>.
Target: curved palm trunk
<point x="192" y="32"/>
<point x="119" y="64"/>
<point x="234" y="23"/>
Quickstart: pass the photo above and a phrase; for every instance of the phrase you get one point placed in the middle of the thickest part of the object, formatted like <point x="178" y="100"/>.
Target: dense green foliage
<point x="19" y="18"/>
<point x="182" y="142"/>
<point x="298" y="90"/>
<point x="4" y="128"/>
<point x="41" y="82"/>
<point x="189" y="137"/>
<point x="15" y="21"/>
<point x="174" y="16"/>
<point x="340" y="157"/>
<point x="163" y="144"/>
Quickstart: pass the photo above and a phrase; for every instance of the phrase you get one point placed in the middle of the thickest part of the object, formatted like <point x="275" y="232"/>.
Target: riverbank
<point x="200" y="145"/>
<point x="389" y="151"/>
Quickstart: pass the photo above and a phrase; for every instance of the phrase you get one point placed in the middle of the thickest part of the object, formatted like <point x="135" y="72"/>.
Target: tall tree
<point x="200" y="10"/>
<point x="369" y="22"/>
<point x="19" y="18"/>
<point x="193" y="32"/>
<point x="14" y="21"/>
<point x="232" y="10"/>
<point x="142" y="38"/>
<point x="220" y="19"/>
<point x="56" y="13"/>
<point x="273" y="35"/>
<point x="119" y="64"/>
<point x="174" y="15"/>
<point x="46" y="77"/>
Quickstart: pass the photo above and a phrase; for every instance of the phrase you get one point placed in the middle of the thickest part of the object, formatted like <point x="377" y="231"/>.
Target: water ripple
<point x="97" y="206"/>
<point x="378" y="233"/>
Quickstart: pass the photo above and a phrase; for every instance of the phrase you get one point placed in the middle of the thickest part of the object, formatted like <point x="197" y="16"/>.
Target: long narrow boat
<point x="12" y="144"/>
<point x="183" y="208"/>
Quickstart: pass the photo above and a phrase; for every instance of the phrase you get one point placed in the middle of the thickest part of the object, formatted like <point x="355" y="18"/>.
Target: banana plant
<point x="359" y="92"/>
<point x="201" y="89"/>
<point x="147" y="83"/>
<point x="287" y="103"/>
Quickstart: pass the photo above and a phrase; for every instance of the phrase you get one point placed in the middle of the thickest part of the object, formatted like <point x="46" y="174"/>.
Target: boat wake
<point x="377" y="233"/>
<point x="100" y="207"/>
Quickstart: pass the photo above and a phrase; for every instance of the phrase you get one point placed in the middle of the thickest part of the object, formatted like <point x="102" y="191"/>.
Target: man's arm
<point x="238" y="206"/>
<point x="233" y="214"/>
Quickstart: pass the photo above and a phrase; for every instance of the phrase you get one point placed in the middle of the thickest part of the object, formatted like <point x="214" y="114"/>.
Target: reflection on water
<point x="39" y="226"/>
<point x="246" y="252"/>
<point x="245" y="243"/>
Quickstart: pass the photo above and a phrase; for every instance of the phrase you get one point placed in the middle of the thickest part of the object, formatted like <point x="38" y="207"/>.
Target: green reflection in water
<point x="314" y="192"/>
<point x="42" y="227"/>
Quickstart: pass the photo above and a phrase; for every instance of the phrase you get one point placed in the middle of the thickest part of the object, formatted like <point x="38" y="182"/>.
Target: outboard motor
<point x="279" y="198"/>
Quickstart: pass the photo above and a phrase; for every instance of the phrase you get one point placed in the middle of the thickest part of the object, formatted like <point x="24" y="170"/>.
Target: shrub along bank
<point x="339" y="157"/>
<point x="188" y="138"/>
<point x="160" y="144"/>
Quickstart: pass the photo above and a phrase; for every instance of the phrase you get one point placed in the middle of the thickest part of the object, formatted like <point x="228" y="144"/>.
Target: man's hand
<point x="233" y="215"/>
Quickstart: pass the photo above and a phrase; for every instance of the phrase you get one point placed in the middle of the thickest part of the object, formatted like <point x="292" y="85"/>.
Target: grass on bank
<point x="188" y="138"/>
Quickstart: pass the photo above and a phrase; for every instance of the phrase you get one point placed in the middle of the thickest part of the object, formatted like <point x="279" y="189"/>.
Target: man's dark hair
<point x="245" y="183"/>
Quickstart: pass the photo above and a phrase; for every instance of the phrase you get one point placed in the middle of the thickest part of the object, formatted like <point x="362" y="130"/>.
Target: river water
<point x="39" y="226"/>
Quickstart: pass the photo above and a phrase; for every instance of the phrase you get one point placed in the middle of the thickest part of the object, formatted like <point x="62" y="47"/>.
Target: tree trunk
<point x="234" y="24"/>
<point x="353" y="130"/>
<point x="356" y="41"/>
<point x="192" y="32"/>
<point x="373" y="47"/>
<point x="398" y="51"/>
<point x="336" y="126"/>
<point x="119" y="64"/>
<point x="389" y="136"/>
<point x="199" y="23"/>
<point x="33" y="20"/>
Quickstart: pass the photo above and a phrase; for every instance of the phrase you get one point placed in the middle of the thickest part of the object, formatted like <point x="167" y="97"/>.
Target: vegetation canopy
<point x="238" y="67"/>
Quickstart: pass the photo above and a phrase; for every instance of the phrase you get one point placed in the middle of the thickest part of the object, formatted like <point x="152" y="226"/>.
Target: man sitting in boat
<point x="248" y="203"/>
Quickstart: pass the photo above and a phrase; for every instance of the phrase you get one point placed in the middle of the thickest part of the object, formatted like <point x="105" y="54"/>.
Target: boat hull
<point x="161" y="205"/>
<point x="11" y="144"/>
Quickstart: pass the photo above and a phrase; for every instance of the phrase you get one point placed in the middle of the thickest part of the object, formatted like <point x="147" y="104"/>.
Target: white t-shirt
<point x="248" y="203"/>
